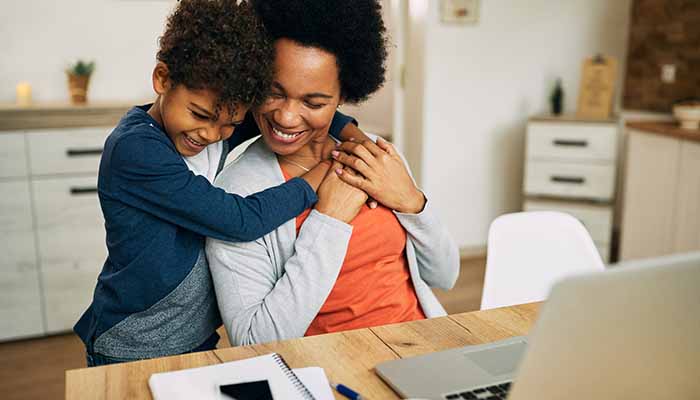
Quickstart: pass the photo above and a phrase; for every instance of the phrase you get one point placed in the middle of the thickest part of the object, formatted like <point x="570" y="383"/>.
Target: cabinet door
<point x="649" y="196"/>
<point x="13" y="156"/>
<point x="20" y="303"/>
<point x="687" y="232"/>
<point x="72" y="248"/>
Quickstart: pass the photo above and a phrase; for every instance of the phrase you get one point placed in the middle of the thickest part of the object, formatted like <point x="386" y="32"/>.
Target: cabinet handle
<point x="570" y="143"/>
<point x="76" y="191"/>
<point x="568" y="179"/>
<point x="83" y="152"/>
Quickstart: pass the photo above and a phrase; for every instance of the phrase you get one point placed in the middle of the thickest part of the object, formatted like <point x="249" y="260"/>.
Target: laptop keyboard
<point x="494" y="392"/>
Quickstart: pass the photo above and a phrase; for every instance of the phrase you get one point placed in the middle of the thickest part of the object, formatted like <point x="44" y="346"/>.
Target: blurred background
<point x="469" y="99"/>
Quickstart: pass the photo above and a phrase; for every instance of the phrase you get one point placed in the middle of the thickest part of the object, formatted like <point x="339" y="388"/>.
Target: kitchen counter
<point x="664" y="128"/>
<point x="572" y="118"/>
<point x="62" y="115"/>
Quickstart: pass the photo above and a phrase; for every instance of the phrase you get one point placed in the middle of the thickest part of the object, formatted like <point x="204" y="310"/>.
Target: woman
<point x="379" y="263"/>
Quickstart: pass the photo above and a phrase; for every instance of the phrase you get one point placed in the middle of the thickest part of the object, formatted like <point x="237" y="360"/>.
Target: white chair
<point x="529" y="251"/>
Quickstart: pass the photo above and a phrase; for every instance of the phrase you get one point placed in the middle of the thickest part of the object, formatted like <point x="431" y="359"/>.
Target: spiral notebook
<point x="204" y="382"/>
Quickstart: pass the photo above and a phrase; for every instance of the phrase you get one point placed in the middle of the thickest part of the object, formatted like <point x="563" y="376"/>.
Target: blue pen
<point x="346" y="391"/>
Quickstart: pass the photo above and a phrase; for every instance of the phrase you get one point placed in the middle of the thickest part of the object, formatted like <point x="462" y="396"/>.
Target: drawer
<point x="20" y="301"/>
<point x="596" y="218"/>
<point x="13" y="156"/>
<point x="572" y="141"/>
<point x="62" y="151"/>
<point x="72" y="249"/>
<point x="584" y="181"/>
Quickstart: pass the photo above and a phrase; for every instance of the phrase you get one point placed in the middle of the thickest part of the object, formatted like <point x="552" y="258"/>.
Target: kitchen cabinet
<point x="20" y="297"/>
<point x="661" y="197"/>
<point x="570" y="167"/>
<point x="52" y="227"/>
<point x="13" y="158"/>
<point x="71" y="238"/>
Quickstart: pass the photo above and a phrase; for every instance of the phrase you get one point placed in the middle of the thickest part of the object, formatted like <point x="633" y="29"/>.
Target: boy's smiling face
<point x="188" y="115"/>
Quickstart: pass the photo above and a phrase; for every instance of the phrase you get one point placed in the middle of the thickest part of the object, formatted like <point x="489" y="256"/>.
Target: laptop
<point x="630" y="332"/>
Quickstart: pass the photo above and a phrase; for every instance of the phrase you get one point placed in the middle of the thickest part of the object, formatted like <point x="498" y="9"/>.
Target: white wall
<point x="374" y="115"/>
<point x="38" y="38"/>
<point x="483" y="81"/>
<point x="479" y="83"/>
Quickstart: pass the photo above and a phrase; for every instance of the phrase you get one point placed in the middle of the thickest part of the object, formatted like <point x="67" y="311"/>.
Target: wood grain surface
<point x="348" y="357"/>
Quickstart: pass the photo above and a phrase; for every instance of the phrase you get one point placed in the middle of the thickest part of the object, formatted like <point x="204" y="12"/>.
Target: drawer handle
<point x="83" y="152"/>
<point x="568" y="179"/>
<point x="570" y="143"/>
<point x="76" y="191"/>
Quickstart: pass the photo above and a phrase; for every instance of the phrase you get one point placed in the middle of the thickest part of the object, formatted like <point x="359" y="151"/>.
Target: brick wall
<point x="662" y="32"/>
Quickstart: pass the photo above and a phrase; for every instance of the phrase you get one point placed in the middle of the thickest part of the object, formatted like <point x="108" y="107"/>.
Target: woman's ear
<point x="161" y="78"/>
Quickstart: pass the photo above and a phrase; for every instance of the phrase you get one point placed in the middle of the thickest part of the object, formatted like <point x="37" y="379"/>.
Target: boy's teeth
<point x="284" y="135"/>
<point x="194" y="141"/>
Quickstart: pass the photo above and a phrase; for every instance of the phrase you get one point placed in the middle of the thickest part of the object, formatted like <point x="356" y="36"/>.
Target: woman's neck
<point x="307" y="157"/>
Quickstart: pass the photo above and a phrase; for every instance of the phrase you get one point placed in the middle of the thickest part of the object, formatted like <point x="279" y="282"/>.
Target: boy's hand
<point x="337" y="199"/>
<point x="352" y="132"/>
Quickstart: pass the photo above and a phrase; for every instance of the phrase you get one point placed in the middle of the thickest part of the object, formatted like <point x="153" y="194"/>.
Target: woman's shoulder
<point x="254" y="170"/>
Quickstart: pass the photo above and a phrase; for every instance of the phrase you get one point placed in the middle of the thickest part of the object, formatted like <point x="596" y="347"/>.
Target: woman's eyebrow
<point x="279" y="87"/>
<point x="317" y="94"/>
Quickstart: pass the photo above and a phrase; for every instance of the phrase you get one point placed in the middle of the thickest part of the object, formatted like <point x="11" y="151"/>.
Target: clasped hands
<point x="363" y="170"/>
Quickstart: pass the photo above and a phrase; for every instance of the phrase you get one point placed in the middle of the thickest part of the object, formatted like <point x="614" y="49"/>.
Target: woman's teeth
<point x="284" y="135"/>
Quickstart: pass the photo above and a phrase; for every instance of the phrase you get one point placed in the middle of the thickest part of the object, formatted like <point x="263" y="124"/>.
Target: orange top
<point x="374" y="286"/>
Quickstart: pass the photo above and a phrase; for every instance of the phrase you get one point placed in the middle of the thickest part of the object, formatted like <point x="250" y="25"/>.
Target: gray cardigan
<point x="273" y="288"/>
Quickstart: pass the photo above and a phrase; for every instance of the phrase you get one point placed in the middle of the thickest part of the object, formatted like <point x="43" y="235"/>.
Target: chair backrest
<point x="529" y="251"/>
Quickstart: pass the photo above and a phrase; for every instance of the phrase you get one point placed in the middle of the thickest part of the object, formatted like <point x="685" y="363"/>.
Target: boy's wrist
<point x="351" y="131"/>
<point x="315" y="176"/>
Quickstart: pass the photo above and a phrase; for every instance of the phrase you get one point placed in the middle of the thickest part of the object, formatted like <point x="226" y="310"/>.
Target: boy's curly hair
<point x="352" y="30"/>
<point x="219" y="45"/>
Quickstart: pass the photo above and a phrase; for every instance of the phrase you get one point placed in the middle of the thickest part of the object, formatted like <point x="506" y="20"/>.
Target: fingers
<point x="360" y="150"/>
<point x="386" y="146"/>
<point x="351" y="178"/>
<point x="371" y="203"/>
<point x="352" y="161"/>
<point x="371" y="146"/>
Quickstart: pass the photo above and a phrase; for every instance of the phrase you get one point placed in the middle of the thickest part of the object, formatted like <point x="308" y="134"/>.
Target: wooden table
<point x="347" y="357"/>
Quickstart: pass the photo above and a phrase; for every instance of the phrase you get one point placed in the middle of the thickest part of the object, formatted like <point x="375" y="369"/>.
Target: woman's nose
<point x="288" y="115"/>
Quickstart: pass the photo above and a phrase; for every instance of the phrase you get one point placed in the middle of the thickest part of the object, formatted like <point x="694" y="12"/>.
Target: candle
<point x="24" y="94"/>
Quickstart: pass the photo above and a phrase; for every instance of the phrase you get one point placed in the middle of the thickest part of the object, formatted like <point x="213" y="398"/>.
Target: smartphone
<point x="256" y="390"/>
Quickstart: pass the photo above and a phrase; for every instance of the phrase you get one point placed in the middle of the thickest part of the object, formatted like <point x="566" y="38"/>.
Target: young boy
<point x="154" y="296"/>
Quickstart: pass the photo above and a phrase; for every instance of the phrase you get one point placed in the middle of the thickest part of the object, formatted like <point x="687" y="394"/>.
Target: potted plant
<point x="78" y="80"/>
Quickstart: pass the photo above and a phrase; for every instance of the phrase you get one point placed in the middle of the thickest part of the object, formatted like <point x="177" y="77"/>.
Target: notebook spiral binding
<point x="298" y="385"/>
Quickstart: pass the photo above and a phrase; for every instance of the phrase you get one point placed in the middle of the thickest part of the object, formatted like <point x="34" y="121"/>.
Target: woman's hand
<point x="337" y="199"/>
<point x="383" y="174"/>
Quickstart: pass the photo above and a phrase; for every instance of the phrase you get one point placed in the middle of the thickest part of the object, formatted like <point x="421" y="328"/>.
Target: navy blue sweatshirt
<point x="157" y="213"/>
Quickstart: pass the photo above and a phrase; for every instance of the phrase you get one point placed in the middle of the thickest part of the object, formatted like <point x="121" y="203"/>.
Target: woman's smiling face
<point x="304" y="96"/>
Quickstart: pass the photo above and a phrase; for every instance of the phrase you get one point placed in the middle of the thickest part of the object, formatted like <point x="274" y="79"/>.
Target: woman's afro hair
<point x="219" y="45"/>
<point x="352" y="30"/>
